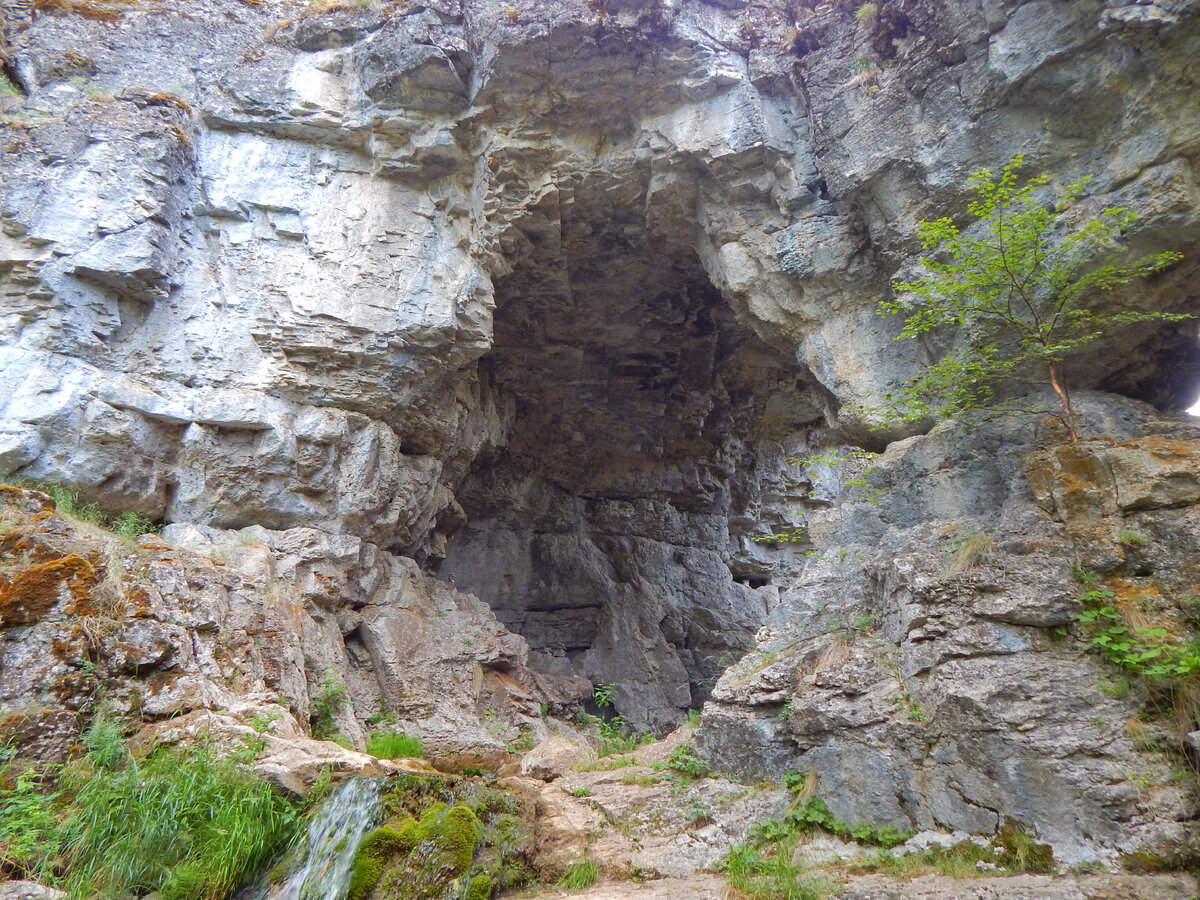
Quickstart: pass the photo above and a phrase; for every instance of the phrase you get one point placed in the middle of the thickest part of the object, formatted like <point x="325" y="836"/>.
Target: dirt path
<point x="929" y="887"/>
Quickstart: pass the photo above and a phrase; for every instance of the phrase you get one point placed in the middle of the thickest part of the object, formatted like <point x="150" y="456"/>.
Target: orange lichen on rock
<point x="30" y="502"/>
<point x="99" y="10"/>
<point x="33" y="592"/>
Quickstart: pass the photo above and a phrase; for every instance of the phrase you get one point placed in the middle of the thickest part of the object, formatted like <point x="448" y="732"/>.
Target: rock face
<point x="540" y="299"/>
<point x="249" y="640"/>
<point x="549" y="292"/>
<point x="951" y="691"/>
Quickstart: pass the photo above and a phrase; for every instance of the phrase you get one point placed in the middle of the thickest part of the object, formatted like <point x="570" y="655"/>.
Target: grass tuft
<point x="579" y="876"/>
<point x="393" y="745"/>
<point x="972" y="551"/>
<point x="67" y="504"/>
<point x="182" y="824"/>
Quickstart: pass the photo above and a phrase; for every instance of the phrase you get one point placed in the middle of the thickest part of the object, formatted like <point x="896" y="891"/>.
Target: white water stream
<point x="319" y="865"/>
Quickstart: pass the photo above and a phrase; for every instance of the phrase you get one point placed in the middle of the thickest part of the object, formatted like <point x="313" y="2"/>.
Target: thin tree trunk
<point x="1068" y="414"/>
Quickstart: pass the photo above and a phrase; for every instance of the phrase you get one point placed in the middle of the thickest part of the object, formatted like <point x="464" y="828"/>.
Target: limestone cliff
<point x="539" y="298"/>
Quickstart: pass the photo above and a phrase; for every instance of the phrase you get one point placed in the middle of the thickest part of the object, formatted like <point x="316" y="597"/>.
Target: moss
<point x="480" y="888"/>
<point x="1144" y="862"/>
<point x="419" y="860"/>
<point x="427" y="827"/>
<point x="374" y="853"/>
<point x="458" y="833"/>
<point x="33" y="592"/>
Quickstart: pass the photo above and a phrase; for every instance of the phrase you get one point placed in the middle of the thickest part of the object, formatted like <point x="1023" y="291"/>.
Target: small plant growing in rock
<point x="1130" y="538"/>
<point x="683" y="759"/>
<point x="579" y="876"/>
<point x="1026" y="299"/>
<point x="326" y="707"/>
<point x="603" y="694"/>
<point x="1151" y="652"/>
<point x="971" y="551"/>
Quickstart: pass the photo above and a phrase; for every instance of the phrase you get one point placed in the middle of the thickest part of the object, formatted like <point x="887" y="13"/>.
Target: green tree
<point x="1025" y="288"/>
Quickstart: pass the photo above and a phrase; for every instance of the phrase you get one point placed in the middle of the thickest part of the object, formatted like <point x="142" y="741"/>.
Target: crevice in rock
<point x="610" y="528"/>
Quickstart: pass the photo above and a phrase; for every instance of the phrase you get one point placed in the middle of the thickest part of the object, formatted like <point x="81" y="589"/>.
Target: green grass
<point x="579" y="876"/>
<point x="392" y="745"/>
<point x="1012" y="852"/>
<point x="68" y="505"/>
<point x="770" y="874"/>
<point x="185" y="825"/>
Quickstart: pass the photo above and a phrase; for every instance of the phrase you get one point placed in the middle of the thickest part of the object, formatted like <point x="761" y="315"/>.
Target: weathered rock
<point x="249" y="640"/>
<point x="30" y="890"/>
<point x="1021" y="887"/>
<point x="634" y="817"/>
<point x="374" y="271"/>
<point x="555" y="757"/>
<point x="931" y="673"/>
<point x="543" y="298"/>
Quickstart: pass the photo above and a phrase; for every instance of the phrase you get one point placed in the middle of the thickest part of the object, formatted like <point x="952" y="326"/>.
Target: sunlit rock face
<point x="542" y="297"/>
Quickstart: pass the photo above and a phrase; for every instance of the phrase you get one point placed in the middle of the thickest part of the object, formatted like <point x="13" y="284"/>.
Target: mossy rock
<point x="377" y="848"/>
<point x="412" y="794"/>
<point x="480" y="887"/>
<point x="419" y="860"/>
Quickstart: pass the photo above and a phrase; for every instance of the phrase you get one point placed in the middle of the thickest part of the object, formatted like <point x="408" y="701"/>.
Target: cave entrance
<point x="611" y="528"/>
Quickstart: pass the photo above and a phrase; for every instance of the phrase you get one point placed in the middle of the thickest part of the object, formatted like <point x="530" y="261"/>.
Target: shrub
<point x="1023" y="293"/>
<point x="326" y="706"/>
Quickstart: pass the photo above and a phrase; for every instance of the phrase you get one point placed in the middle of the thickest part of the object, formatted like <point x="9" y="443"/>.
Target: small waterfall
<point x="319" y="866"/>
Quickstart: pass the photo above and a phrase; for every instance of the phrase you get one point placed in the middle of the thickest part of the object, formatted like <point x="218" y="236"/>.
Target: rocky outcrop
<point x="248" y="642"/>
<point x="546" y="292"/>
<point x="953" y="690"/>
<point x="540" y="299"/>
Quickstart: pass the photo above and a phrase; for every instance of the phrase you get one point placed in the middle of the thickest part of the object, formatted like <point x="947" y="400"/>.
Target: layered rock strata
<point x="541" y="297"/>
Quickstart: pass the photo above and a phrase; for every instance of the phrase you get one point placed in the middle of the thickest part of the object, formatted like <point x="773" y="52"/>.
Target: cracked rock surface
<point x="539" y="299"/>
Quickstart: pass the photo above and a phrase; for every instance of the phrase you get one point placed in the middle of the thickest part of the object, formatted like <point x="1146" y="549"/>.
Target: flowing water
<point x="319" y="866"/>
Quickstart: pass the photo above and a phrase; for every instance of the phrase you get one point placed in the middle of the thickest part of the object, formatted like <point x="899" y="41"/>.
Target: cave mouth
<point x="611" y="529"/>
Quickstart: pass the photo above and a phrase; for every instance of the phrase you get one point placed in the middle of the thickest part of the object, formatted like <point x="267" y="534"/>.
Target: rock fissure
<point x="540" y="299"/>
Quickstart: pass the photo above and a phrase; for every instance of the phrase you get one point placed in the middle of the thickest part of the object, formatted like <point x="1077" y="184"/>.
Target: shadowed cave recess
<point x="647" y="428"/>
